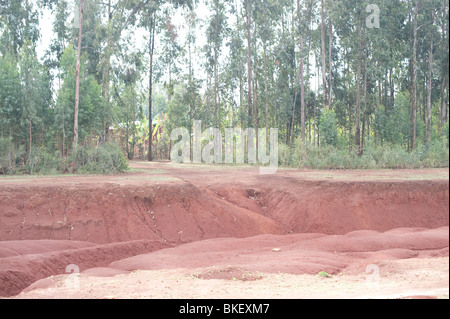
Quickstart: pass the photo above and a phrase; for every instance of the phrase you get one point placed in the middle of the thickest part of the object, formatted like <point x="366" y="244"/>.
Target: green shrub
<point x="446" y="133"/>
<point x="284" y="155"/>
<point x="41" y="161"/>
<point x="328" y="128"/>
<point x="106" y="159"/>
<point x="375" y="156"/>
<point x="433" y="154"/>
<point x="9" y="156"/>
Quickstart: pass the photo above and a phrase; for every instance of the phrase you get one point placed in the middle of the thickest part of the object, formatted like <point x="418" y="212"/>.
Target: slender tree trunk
<point x="77" y="85"/>
<point x="391" y="85"/>
<point x="361" y="148"/>
<point x="324" y="76"/>
<point x="266" y="90"/>
<point x="443" y="104"/>
<point x="241" y="68"/>
<point x="249" y="63"/>
<point x="255" y="85"/>
<point x="442" y="115"/>
<point x="31" y="137"/>
<point x="430" y="74"/>
<point x="414" y="80"/>
<point x="385" y="87"/>
<point x="106" y="73"/>
<point x="358" y="95"/>
<point x="216" y="73"/>
<point x="150" y="94"/>
<point x="330" y="58"/>
<point x="64" y="138"/>
<point x="192" y="96"/>
<point x="302" y="77"/>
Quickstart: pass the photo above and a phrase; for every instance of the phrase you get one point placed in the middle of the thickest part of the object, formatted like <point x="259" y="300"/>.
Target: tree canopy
<point x="327" y="73"/>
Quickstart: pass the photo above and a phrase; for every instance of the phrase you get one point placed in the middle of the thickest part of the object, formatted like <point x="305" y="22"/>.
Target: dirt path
<point x="170" y="231"/>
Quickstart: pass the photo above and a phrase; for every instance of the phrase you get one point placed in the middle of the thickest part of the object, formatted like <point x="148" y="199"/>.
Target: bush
<point x="284" y="155"/>
<point x="8" y="156"/>
<point x="41" y="161"/>
<point x="388" y="156"/>
<point x="446" y="133"/>
<point x="106" y="159"/>
<point x="328" y="128"/>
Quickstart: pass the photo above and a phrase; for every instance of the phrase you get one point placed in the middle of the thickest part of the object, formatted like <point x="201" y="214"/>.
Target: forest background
<point x="348" y="83"/>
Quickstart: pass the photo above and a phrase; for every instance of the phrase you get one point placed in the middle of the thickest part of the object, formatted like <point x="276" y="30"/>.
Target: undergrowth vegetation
<point x="434" y="154"/>
<point x="106" y="159"/>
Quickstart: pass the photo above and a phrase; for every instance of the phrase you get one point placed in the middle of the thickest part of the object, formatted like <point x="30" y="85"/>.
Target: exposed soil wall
<point x="181" y="213"/>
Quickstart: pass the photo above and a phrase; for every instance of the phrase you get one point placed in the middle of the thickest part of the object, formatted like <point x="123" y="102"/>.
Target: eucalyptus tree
<point x="91" y="109"/>
<point x="268" y="15"/>
<point x="35" y="89"/>
<point x="215" y="34"/>
<point x="10" y="97"/>
<point x="19" y="22"/>
<point x="350" y="28"/>
<point x="155" y="20"/>
<point x="129" y="96"/>
<point x="443" y="57"/>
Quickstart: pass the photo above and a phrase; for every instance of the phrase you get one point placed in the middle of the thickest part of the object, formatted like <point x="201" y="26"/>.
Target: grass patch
<point x="323" y="274"/>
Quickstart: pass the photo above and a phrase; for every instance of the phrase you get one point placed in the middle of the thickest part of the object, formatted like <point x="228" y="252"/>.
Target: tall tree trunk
<point x="443" y="104"/>
<point x="414" y="80"/>
<point x="391" y="85"/>
<point x="444" y="84"/>
<point x="430" y="74"/>
<point x="361" y="148"/>
<point x="302" y="77"/>
<point x="216" y="73"/>
<point x="255" y="84"/>
<point x="31" y="138"/>
<point x="324" y="75"/>
<point x="249" y="63"/>
<point x="266" y="90"/>
<point x="358" y="95"/>
<point x="106" y="73"/>
<point x="150" y="93"/>
<point x="77" y="83"/>
<point x="330" y="62"/>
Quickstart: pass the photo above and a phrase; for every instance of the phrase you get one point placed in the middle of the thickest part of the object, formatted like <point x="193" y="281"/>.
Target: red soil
<point x="217" y="217"/>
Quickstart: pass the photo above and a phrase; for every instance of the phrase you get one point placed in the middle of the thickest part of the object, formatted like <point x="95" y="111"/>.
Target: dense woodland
<point x="348" y="83"/>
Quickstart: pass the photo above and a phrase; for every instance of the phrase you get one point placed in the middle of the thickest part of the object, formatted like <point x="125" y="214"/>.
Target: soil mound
<point x="60" y="257"/>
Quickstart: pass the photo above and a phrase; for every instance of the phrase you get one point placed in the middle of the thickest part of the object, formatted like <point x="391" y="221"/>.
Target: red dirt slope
<point x="215" y="217"/>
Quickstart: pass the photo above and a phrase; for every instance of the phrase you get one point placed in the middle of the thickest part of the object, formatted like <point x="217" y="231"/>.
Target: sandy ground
<point x="412" y="278"/>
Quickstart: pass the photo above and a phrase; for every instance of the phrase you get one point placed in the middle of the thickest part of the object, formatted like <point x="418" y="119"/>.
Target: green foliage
<point x="389" y="156"/>
<point x="394" y="127"/>
<point x="323" y="274"/>
<point x="8" y="156"/>
<point x="43" y="161"/>
<point x="446" y="133"/>
<point x="106" y="159"/>
<point x="263" y="40"/>
<point x="328" y="128"/>
<point x="178" y="110"/>
<point x="91" y="104"/>
<point x="10" y="95"/>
